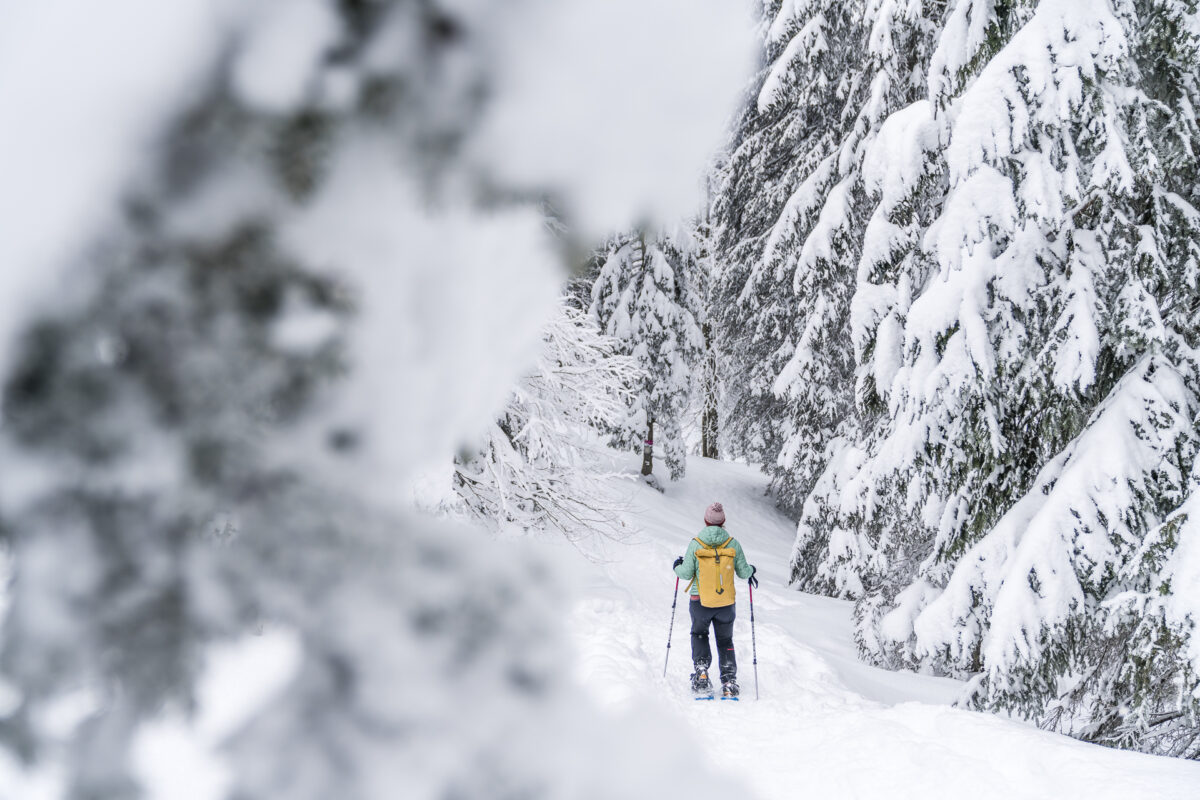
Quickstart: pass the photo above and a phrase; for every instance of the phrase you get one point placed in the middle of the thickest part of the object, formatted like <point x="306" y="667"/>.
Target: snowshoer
<point x="711" y="561"/>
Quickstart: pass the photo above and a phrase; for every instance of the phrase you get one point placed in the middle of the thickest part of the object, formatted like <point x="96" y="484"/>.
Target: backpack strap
<point x="727" y="541"/>
<point x="696" y="539"/>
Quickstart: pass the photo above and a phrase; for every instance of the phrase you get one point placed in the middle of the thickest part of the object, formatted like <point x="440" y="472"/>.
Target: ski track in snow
<point x="827" y="725"/>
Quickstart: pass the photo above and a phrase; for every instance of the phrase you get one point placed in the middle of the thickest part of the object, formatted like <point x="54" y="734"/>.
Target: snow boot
<point x="701" y="686"/>
<point x="729" y="690"/>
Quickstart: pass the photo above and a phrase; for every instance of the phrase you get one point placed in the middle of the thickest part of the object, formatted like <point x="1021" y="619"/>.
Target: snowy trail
<point x="827" y="725"/>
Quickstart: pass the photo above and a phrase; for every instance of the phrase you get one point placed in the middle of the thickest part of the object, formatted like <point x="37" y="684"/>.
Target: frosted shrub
<point x="541" y="463"/>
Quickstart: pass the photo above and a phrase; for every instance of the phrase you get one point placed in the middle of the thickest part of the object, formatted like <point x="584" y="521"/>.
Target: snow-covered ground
<point x="826" y="725"/>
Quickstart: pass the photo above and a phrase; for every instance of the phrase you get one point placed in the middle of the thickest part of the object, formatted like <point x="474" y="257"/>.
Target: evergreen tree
<point x="643" y="297"/>
<point x="1016" y="184"/>
<point x="1055" y="234"/>
<point x="783" y="163"/>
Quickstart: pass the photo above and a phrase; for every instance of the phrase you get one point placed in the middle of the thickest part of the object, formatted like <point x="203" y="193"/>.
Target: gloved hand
<point x="753" y="581"/>
<point x="678" y="561"/>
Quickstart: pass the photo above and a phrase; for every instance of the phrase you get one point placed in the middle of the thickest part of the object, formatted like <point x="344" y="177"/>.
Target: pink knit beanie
<point x="714" y="515"/>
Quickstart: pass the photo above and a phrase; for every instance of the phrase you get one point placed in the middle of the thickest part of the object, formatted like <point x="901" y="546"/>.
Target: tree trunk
<point x="708" y="432"/>
<point x="708" y="418"/>
<point x="648" y="451"/>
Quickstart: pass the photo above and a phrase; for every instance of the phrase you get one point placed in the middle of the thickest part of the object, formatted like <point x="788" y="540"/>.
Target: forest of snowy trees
<point x="958" y="280"/>
<point x="941" y="281"/>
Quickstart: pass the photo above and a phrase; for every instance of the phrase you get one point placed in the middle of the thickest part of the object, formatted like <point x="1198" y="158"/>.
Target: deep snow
<point x="826" y="725"/>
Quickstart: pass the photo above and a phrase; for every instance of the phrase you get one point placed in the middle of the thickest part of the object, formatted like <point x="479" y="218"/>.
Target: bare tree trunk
<point x="648" y="451"/>
<point x="708" y="418"/>
<point x="708" y="432"/>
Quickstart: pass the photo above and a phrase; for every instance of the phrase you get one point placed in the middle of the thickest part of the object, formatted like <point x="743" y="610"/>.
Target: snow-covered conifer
<point x="779" y="296"/>
<point x="644" y="298"/>
<point x="751" y="186"/>
<point x="1053" y="284"/>
<point x="1015" y="188"/>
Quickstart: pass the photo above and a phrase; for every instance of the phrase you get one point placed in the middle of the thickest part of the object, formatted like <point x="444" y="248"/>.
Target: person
<point x="720" y="617"/>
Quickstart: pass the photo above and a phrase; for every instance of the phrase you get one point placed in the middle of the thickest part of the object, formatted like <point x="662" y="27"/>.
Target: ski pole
<point x="672" y="628"/>
<point x="753" y="644"/>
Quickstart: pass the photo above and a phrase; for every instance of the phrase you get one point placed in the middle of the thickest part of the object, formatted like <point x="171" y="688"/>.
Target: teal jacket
<point x="712" y="536"/>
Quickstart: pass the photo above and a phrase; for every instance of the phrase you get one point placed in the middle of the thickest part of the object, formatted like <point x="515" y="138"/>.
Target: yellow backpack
<point x="714" y="573"/>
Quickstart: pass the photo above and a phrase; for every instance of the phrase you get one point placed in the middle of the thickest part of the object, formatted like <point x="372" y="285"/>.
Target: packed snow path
<point x="827" y="726"/>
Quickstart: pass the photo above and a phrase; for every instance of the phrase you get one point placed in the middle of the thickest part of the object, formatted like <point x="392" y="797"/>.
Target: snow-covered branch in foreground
<point x="541" y="460"/>
<point x="303" y="259"/>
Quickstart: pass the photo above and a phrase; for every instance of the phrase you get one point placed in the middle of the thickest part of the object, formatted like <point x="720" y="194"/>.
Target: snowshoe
<point x="701" y="687"/>
<point x="729" y="690"/>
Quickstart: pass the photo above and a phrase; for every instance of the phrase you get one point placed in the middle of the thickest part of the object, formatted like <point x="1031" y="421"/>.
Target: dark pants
<point x="722" y="621"/>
